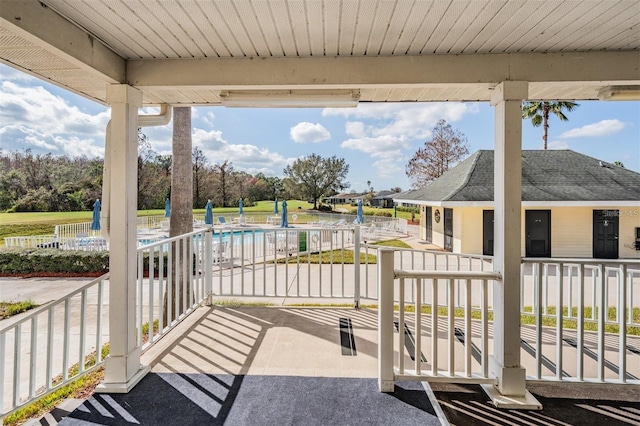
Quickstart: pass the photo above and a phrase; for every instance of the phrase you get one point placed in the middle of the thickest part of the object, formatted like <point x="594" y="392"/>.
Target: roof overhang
<point x="537" y="204"/>
<point x="85" y="46"/>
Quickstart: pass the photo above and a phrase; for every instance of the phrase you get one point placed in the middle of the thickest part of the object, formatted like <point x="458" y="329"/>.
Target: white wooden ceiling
<point x="153" y="31"/>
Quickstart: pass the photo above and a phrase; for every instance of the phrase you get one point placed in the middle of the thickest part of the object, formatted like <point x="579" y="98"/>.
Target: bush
<point x="408" y="209"/>
<point x="19" y="261"/>
<point x="383" y="213"/>
<point x="28" y="261"/>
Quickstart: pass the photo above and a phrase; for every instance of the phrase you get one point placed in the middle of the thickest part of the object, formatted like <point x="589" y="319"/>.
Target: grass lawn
<point x="43" y="223"/>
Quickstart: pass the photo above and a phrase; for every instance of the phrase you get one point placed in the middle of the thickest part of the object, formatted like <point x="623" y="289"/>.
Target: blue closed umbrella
<point x="359" y="214"/>
<point x="167" y="208"/>
<point x="285" y="222"/>
<point x="275" y="207"/>
<point x="208" y="214"/>
<point x="240" y="210"/>
<point x="95" y="223"/>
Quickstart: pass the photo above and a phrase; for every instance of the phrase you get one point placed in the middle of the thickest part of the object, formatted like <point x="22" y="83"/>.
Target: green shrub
<point x="33" y="260"/>
<point x="21" y="261"/>
<point x="408" y="209"/>
<point x="383" y="213"/>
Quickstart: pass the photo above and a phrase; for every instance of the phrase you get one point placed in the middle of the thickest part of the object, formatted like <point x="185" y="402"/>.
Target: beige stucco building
<point x="572" y="206"/>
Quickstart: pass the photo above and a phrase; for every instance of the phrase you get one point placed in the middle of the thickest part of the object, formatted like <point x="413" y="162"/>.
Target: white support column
<point x="504" y="364"/>
<point x="122" y="367"/>
<point x="386" y="381"/>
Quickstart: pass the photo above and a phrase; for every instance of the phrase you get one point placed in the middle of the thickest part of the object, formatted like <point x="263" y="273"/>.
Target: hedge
<point x="33" y="260"/>
<point x="36" y="260"/>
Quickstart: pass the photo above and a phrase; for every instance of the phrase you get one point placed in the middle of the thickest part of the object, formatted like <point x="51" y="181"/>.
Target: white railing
<point x="432" y="290"/>
<point x="33" y="241"/>
<point x="55" y="344"/>
<point x="276" y="262"/>
<point x="38" y="350"/>
<point x="415" y="259"/>
<point x="172" y="282"/>
<point x="580" y="345"/>
<point x="74" y="230"/>
<point x="586" y="319"/>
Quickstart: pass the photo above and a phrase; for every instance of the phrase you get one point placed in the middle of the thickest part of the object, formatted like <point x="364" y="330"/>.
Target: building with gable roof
<point x="573" y="205"/>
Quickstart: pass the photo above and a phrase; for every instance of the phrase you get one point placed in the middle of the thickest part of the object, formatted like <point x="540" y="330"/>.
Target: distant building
<point x="572" y="206"/>
<point x="343" y="198"/>
<point x="383" y="199"/>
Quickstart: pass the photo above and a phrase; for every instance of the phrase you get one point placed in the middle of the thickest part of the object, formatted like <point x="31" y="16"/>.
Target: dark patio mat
<point x="563" y="404"/>
<point x="201" y="399"/>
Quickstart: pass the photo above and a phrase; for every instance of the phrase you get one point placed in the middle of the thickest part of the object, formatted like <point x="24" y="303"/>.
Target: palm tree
<point x="538" y="112"/>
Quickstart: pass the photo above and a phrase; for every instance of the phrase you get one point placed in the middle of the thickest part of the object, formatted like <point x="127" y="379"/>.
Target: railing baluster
<point x="485" y="328"/>
<point x="152" y="253"/>
<point x="100" y="310"/>
<point x="570" y="297"/>
<point x="559" y="318"/>
<point x="32" y="362"/>
<point x="49" y="347"/>
<point x="139" y="317"/>
<point x="602" y="316"/>
<point x="434" y="327"/>
<point x="83" y="330"/>
<point x="538" y="315"/>
<point x="580" y="325"/>
<point x="17" y="347"/>
<point x="467" y="328"/>
<point x="401" y="332"/>
<point x="622" y="341"/>
<point x="67" y="343"/>
<point x="451" y="324"/>
<point x="418" y="328"/>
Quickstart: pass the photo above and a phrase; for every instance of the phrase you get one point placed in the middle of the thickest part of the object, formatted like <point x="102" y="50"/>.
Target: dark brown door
<point x="487" y="232"/>
<point x="428" y="225"/>
<point x="605" y="234"/>
<point x="448" y="229"/>
<point x="538" y="233"/>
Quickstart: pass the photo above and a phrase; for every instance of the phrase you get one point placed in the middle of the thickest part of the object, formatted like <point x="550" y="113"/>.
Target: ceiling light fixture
<point x="619" y="93"/>
<point x="290" y="99"/>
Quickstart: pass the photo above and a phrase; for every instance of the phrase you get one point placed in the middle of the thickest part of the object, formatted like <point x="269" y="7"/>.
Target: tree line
<point x="44" y="182"/>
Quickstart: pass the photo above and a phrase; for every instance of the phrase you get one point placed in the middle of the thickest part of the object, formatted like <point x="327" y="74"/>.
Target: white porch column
<point x="122" y="366"/>
<point x="504" y="364"/>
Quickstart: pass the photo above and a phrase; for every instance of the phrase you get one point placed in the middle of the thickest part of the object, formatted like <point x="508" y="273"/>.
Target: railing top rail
<point x="577" y="261"/>
<point x="37" y="311"/>
<point x="435" y="252"/>
<point x="176" y="238"/>
<point x="473" y="275"/>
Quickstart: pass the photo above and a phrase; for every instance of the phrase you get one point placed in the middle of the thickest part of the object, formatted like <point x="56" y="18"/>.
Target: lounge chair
<point x="222" y="220"/>
<point x="219" y="251"/>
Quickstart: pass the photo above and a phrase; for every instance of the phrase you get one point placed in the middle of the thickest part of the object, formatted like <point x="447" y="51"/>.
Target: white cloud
<point x="249" y="158"/>
<point x="209" y="118"/>
<point x="32" y="117"/>
<point x="388" y="131"/>
<point x="601" y="128"/>
<point x="355" y="129"/>
<point x="558" y="145"/>
<point x="376" y="146"/>
<point x="306" y="132"/>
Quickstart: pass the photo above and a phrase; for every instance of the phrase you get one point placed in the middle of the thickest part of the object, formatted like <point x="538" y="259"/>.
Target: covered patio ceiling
<point x="191" y="52"/>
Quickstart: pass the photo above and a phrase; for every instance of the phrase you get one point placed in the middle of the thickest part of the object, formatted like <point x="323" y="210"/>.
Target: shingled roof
<point x="547" y="175"/>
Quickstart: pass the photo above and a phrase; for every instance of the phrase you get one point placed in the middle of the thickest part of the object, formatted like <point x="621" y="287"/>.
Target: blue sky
<point x="376" y="140"/>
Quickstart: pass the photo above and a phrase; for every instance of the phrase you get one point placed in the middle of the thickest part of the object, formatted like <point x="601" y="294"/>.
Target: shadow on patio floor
<point x="199" y="399"/>
<point x="563" y="404"/>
